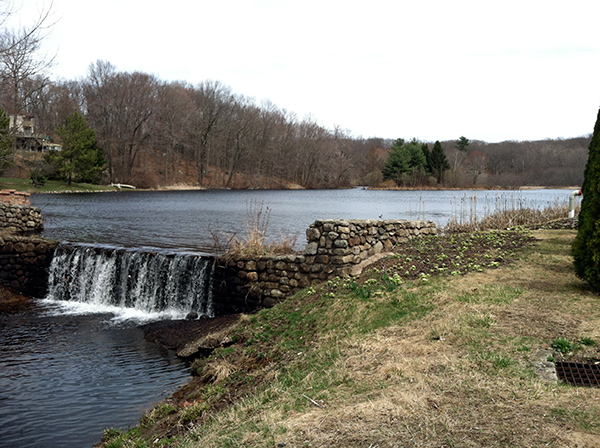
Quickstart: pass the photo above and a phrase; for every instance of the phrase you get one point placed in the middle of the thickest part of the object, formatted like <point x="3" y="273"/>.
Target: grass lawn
<point x="9" y="183"/>
<point x="431" y="348"/>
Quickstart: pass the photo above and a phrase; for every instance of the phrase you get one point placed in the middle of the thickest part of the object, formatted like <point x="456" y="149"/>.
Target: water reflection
<point x="65" y="378"/>
<point x="186" y="220"/>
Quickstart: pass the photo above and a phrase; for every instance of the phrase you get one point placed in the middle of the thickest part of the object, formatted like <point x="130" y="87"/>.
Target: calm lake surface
<point x="185" y="220"/>
<point x="67" y="374"/>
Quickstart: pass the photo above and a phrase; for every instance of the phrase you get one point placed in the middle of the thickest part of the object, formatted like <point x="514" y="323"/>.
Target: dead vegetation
<point x="386" y="362"/>
<point x="503" y="212"/>
<point x="254" y="243"/>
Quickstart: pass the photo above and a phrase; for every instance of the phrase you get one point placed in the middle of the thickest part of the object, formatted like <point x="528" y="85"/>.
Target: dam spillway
<point x="170" y="284"/>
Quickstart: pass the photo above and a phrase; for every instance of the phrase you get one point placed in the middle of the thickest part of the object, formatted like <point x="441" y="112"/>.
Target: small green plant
<point x="562" y="345"/>
<point x="480" y="320"/>
<point x="501" y="362"/>
<point x="111" y="433"/>
<point x="193" y="412"/>
<point x="588" y="342"/>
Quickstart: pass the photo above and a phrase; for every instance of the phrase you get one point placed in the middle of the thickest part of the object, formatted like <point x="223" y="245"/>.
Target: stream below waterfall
<point x="65" y="377"/>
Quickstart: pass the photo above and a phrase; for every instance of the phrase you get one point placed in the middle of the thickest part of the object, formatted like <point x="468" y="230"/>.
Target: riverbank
<point x="56" y="186"/>
<point x="402" y="356"/>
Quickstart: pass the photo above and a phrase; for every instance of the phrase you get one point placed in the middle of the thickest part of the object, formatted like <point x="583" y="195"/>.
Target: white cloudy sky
<point x="434" y="70"/>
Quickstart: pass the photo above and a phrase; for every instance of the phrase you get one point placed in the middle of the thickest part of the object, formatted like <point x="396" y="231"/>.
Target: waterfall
<point x="150" y="282"/>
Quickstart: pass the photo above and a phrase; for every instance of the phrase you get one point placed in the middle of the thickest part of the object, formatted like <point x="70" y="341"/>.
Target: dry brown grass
<point x="504" y="213"/>
<point x="444" y="390"/>
<point x="254" y="242"/>
<point x="461" y="375"/>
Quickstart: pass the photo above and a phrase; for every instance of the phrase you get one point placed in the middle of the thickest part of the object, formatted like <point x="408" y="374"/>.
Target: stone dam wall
<point x="14" y="197"/>
<point x="20" y="218"/>
<point x="24" y="257"/>
<point x="24" y="263"/>
<point x="335" y="248"/>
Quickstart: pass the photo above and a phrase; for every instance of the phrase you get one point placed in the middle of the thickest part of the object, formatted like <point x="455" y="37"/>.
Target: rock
<point x="311" y="248"/>
<point x="192" y="315"/>
<point x="313" y="234"/>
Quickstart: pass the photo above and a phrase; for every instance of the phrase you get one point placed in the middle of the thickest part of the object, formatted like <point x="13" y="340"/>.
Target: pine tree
<point x="80" y="159"/>
<point x="462" y="143"/>
<point x="427" y="154"/>
<point x="417" y="159"/>
<point x="397" y="162"/>
<point x="586" y="247"/>
<point x="439" y="162"/>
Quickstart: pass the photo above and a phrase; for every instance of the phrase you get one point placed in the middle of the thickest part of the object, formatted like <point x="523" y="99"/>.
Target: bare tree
<point x="477" y="164"/>
<point x="213" y="101"/>
<point x="243" y="136"/>
<point x="173" y="121"/>
<point x="119" y="106"/>
<point x="53" y="102"/>
<point x="21" y="60"/>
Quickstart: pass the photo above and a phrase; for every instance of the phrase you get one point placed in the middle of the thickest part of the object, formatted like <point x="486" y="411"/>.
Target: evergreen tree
<point x="416" y="157"/>
<point x="586" y="247"/>
<point x="80" y="159"/>
<point x="462" y="143"/>
<point x="397" y="162"/>
<point x="6" y="140"/>
<point x="406" y="160"/>
<point x="439" y="162"/>
<point x="427" y="154"/>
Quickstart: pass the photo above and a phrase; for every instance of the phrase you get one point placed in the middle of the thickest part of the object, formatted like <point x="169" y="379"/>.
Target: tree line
<point x="148" y="132"/>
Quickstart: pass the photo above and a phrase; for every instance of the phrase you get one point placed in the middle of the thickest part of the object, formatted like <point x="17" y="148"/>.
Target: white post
<point x="572" y="202"/>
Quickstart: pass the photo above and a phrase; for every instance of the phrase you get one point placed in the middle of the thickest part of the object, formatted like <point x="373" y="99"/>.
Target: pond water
<point x="187" y="220"/>
<point x="64" y="378"/>
<point x="66" y="373"/>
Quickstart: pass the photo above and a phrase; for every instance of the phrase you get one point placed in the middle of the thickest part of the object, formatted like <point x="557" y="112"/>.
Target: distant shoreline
<point x="197" y="188"/>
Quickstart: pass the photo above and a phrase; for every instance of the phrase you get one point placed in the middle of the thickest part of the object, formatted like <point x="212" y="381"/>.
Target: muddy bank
<point x="190" y="338"/>
<point x="11" y="301"/>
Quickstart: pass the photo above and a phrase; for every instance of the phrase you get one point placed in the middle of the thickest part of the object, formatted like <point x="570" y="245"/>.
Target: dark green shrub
<point x="586" y="247"/>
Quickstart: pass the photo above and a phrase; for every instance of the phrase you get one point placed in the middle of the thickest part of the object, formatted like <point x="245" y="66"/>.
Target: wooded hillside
<point x="155" y="133"/>
<point x="131" y="127"/>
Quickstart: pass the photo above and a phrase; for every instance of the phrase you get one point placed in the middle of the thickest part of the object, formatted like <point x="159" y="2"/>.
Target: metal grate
<point x="577" y="374"/>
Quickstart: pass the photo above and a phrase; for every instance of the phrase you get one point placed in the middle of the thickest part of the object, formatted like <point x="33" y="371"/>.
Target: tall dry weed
<point x="503" y="213"/>
<point x="255" y="243"/>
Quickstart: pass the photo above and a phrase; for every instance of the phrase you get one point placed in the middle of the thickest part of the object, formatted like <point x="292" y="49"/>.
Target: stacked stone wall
<point x="24" y="263"/>
<point x="20" y="219"/>
<point x="14" y="197"/>
<point x="335" y="248"/>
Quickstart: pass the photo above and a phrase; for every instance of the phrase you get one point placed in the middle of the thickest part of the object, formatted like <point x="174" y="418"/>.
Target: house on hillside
<point x="47" y="146"/>
<point x="22" y="125"/>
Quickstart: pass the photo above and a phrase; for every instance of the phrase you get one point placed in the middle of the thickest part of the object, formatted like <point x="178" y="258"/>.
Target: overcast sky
<point x="434" y="70"/>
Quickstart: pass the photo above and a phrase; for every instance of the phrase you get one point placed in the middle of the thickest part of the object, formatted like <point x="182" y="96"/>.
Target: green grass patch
<point x="495" y="294"/>
<point x="10" y="183"/>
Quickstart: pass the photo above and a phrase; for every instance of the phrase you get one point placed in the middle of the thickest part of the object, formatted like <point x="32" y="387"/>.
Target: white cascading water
<point x="122" y="281"/>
